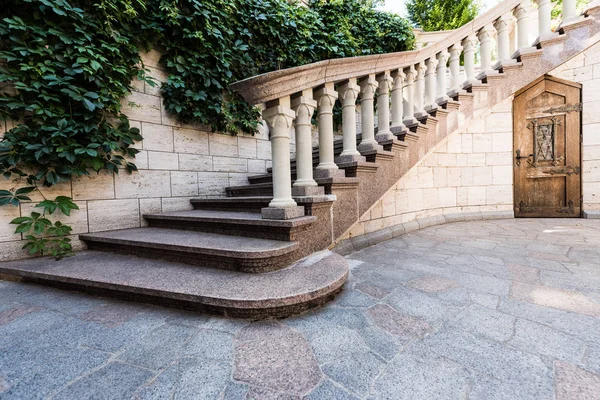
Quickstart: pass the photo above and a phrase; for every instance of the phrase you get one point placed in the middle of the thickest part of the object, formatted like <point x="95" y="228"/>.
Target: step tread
<point x="195" y="242"/>
<point x="311" y="278"/>
<point x="245" y="199"/>
<point x="237" y="217"/>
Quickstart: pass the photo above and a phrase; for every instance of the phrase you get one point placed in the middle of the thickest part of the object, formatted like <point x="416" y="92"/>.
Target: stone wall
<point x="471" y="171"/>
<point x="176" y="163"/>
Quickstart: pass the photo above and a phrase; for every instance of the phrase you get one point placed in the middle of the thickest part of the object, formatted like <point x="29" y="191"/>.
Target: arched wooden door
<point x="547" y="149"/>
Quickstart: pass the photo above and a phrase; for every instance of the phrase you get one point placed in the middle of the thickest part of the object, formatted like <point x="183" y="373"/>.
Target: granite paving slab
<point x="424" y="316"/>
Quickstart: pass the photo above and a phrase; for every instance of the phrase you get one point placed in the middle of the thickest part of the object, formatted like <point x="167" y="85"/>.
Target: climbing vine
<point x="66" y="67"/>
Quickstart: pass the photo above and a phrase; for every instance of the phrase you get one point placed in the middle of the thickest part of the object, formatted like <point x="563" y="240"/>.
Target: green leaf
<point x="88" y="104"/>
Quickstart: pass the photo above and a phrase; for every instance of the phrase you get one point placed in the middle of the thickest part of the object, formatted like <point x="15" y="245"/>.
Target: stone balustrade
<point x="409" y="86"/>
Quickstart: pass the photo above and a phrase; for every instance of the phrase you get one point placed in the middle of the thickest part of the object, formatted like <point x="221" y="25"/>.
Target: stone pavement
<point x="505" y="309"/>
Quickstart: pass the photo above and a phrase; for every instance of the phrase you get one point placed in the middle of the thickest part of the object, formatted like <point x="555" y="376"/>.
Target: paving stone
<point x="397" y="323"/>
<point x="372" y="290"/>
<point x="523" y="273"/>
<point x="354" y="298"/>
<point x="282" y="362"/>
<point x="209" y="344"/>
<point x="432" y="283"/>
<point x="113" y="381"/>
<point x="574" y="383"/>
<point x="15" y="312"/>
<point x="201" y="379"/>
<point x="382" y="343"/>
<point x="333" y="342"/>
<point x="483" y="299"/>
<point x="555" y="298"/>
<point x="355" y="372"/>
<point x="266" y="394"/>
<point x="411" y="377"/>
<point x="457" y="296"/>
<point x="235" y="391"/>
<point x="486" y="322"/>
<point x="111" y="315"/>
<point x="327" y="390"/>
<point x="540" y="339"/>
<point x="159" y="347"/>
<point x="419" y="304"/>
<point x="161" y="387"/>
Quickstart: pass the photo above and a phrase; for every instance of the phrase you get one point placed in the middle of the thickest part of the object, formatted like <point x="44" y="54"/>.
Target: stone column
<point x="397" y="106"/>
<point x="485" y="49"/>
<point x="409" y="96"/>
<point x="455" y="79"/>
<point x="544" y="18"/>
<point x="383" y="107"/>
<point x="520" y="13"/>
<point x="420" y="90"/>
<point x="304" y="106"/>
<point x="279" y="118"/>
<point x="569" y="11"/>
<point x="468" y="44"/>
<point x="326" y="96"/>
<point x="368" y="86"/>
<point x="503" y="41"/>
<point x="430" y="84"/>
<point x="348" y="93"/>
<point x="442" y="86"/>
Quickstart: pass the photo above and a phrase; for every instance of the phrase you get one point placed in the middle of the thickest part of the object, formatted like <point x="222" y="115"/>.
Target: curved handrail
<point x="273" y="85"/>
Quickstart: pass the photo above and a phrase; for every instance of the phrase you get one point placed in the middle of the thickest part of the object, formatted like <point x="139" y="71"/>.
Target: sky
<point x="397" y="6"/>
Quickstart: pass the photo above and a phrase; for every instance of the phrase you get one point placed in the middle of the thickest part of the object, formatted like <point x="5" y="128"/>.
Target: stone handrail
<point x="410" y="85"/>
<point x="285" y="82"/>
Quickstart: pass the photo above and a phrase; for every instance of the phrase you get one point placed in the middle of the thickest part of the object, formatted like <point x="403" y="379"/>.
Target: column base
<point x="308" y="191"/>
<point x="407" y="121"/>
<point x="420" y="114"/>
<point x="545" y="37"/>
<point x="431" y="108"/>
<point x="383" y="135"/>
<point x="369" y="146"/>
<point x="329" y="173"/>
<point x="349" y="157"/>
<point x="282" y="213"/>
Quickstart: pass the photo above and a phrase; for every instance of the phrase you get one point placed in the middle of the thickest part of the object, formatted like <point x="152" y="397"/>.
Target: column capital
<point x="541" y="2"/>
<point x="304" y="105"/>
<point x="411" y="72"/>
<point x="500" y="24"/>
<point x="384" y="81"/>
<point x="442" y="58"/>
<point x="399" y="77"/>
<point x="485" y="34"/>
<point x="420" y="68"/>
<point x="432" y="64"/>
<point x="455" y="51"/>
<point x="326" y="97"/>
<point x="521" y="11"/>
<point x="279" y="118"/>
<point x="469" y="42"/>
<point x="348" y="92"/>
<point x="368" y="86"/>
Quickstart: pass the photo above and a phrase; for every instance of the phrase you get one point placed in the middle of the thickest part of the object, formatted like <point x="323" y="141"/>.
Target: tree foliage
<point x="440" y="15"/>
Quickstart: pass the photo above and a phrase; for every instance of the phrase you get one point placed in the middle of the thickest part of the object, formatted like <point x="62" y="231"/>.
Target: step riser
<point x="255" y="265"/>
<point x="253" y="231"/>
<point x="254" y="206"/>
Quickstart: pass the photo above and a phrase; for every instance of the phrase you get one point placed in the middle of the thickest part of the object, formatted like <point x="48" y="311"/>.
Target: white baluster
<point x="304" y="106"/>
<point x="468" y="44"/>
<point x="348" y="93"/>
<point x="368" y="86"/>
<point x="503" y="41"/>
<point x="455" y="78"/>
<point x="430" y="84"/>
<point x="409" y="96"/>
<point x="569" y="11"/>
<point x="279" y="118"/>
<point x="383" y="107"/>
<point x="520" y="13"/>
<point x="485" y="49"/>
<point x="420" y="90"/>
<point x="326" y="96"/>
<point x="397" y="106"/>
<point x="442" y="84"/>
<point x="544" y="19"/>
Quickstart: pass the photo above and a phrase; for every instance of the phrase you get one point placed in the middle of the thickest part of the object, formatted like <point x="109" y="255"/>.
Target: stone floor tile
<point x="235" y="391"/>
<point x="329" y="391"/>
<point x="555" y="298"/>
<point x="396" y="323"/>
<point x="432" y="283"/>
<point x="355" y="372"/>
<point x="416" y="303"/>
<point x="17" y="311"/>
<point x="334" y="342"/>
<point x="265" y="394"/>
<point x="485" y="300"/>
<point x="161" y="387"/>
<point x="411" y="377"/>
<point x="274" y="356"/>
<point x="372" y="290"/>
<point x="458" y="296"/>
<point x="523" y="273"/>
<point x="354" y="298"/>
<point x="483" y="321"/>
<point x="210" y="344"/>
<point x="201" y="379"/>
<point x="540" y="339"/>
<point x="111" y="315"/>
<point x="113" y="381"/>
<point x="574" y="383"/>
<point x="382" y="343"/>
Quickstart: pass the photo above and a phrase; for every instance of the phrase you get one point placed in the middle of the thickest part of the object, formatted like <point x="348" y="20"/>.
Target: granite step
<point x="197" y="248"/>
<point x="306" y="284"/>
<point x="234" y="223"/>
<point x="246" y="204"/>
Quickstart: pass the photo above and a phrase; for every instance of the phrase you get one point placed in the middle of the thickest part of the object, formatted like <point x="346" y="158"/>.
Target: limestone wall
<point x="471" y="170"/>
<point x="176" y="163"/>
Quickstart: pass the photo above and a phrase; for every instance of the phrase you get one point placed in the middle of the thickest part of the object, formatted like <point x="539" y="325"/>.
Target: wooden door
<point x="547" y="149"/>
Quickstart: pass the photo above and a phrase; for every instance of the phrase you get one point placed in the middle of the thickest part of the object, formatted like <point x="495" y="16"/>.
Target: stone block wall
<point x="176" y="163"/>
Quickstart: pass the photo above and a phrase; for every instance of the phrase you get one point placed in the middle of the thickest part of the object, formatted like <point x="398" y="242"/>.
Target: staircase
<point x="226" y="256"/>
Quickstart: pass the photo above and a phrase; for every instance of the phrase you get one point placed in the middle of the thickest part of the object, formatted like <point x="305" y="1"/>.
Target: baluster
<point x="430" y="84"/>
<point x="544" y="18"/>
<point x="468" y="44"/>
<point x="503" y="41"/>
<point x="442" y="85"/>
<point x="383" y="107"/>
<point x="368" y="86"/>
<point x="569" y="11"/>
<point x="420" y="90"/>
<point x="455" y="79"/>
<point x="409" y="96"/>
<point x="304" y="106"/>
<point x="348" y="93"/>
<point x="485" y="49"/>
<point x="397" y="106"/>
<point x="520" y="13"/>
<point x="326" y="96"/>
<point x="279" y="118"/>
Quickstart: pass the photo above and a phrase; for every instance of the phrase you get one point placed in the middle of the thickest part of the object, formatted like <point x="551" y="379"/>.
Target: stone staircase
<point x="226" y="257"/>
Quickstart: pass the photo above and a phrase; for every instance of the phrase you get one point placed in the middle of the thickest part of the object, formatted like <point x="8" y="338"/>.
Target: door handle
<point x="519" y="156"/>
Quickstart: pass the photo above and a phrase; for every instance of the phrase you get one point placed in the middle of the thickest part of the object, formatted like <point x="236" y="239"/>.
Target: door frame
<point x="521" y="91"/>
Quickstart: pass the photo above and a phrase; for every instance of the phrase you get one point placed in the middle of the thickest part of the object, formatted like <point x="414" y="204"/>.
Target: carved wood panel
<point x="547" y="149"/>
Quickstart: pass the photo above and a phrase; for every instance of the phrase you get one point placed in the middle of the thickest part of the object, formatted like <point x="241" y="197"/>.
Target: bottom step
<point x="305" y="284"/>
